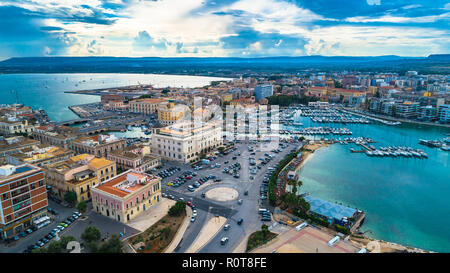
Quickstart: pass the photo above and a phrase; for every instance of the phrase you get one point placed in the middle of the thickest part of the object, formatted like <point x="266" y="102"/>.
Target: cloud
<point x="223" y="28"/>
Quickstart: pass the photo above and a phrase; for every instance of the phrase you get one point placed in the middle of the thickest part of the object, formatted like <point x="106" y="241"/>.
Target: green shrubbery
<point x="178" y="209"/>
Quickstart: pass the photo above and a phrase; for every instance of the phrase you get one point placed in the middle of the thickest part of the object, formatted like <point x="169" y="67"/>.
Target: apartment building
<point x="15" y="144"/>
<point x="444" y="113"/>
<point x="127" y="195"/>
<point x="186" y="141"/>
<point x="79" y="174"/>
<point x="170" y="113"/>
<point x="46" y="135"/>
<point x="145" y="106"/>
<point x="98" y="145"/>
<point x="134" y="158"/>
<point x="40" y="155"/>
<point x="10" y="125"/>
<point x="23" y="198"/>
<point x="407" y="109"/>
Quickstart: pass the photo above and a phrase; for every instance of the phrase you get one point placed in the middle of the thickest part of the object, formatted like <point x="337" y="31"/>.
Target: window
<point x="32" y="186"/>
<point x="5" y="196"/>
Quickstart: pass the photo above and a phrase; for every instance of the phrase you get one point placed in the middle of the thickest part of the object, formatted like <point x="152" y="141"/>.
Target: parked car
<point x="224" y="240"/>
<point x="239" y="222"/>
<point x="226" y="227"/>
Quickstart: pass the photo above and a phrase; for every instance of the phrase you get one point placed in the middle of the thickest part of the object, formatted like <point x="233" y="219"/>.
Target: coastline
<point x="364" y="241"/>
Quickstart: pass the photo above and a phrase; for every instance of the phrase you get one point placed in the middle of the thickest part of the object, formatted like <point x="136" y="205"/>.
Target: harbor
<point x="443" y="144"/>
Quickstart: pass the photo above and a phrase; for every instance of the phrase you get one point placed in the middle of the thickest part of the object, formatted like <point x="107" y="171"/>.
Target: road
<point x="231" y="210"/>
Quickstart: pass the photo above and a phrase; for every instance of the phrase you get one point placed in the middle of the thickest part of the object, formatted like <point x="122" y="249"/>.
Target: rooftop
<point x="328" y="209"/>
<point x="10" y="171"/>
<point x="126" y="183"/>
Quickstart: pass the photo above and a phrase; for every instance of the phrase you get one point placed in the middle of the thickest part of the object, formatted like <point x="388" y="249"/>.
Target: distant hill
<point x="439" y="63"/>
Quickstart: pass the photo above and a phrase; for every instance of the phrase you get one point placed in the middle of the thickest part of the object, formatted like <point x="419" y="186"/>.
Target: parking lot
<point x="245" y="169"/>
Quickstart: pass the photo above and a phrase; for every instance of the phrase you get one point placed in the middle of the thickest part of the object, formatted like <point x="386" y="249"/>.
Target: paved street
<point x="231" y="209"/>
<point x="31" y="239"/>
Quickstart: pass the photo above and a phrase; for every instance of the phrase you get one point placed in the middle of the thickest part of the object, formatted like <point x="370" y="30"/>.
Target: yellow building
<point x="79" y="174"/>
<point x="145" y="106"/>
<point x="227" y="98"/>
<point x="169" y="112"/>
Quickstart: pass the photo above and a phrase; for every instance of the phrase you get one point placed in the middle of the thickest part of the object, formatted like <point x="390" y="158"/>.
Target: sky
<point x="223" y="28"/>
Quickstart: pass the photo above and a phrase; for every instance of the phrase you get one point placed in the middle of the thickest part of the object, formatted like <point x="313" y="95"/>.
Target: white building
<point x="186" y="141"/>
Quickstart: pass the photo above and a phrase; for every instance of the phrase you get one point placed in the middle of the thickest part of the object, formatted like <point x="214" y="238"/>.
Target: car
<point x="203" y="195"/>
<point x="226" y="227"/>
<point x="63" y="224"/>
<point x="170" y="184"/>
<point x="49" y="236"/>
<point x="164" y="195"/>
<point x="71" y="218"/>
<point x="77" y="213"/>
<point x="33" y="228"/>
<point x="45" y="240"/>
<point x="239" y="222"/>
<point x="192" y="219"/>
<point x="55" y="230"/>
<point x="189" y="203"/>
<point x="240" y="201"/>
<point x="60" y="227"/>
<point x="194" y="214"/>
<point x="246" y="193"/>
<point x="181" y="199"/>
<point x="224" y="240"/>
<point x="226" y="162"/>
<point x="234" y="158"/>
<point x="16" y="238"/>
<point x="23" y="234"/>
<point x="29" y="231"/>
<point x="40" y="244"/>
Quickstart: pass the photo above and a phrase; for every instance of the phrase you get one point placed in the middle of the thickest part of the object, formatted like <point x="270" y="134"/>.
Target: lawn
<point x="257" y="239"/>
<point x="157" y="237"/>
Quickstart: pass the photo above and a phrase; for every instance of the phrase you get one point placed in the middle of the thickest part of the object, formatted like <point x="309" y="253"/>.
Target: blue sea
<point x="406" y="200"/>
<point x="46" y="91"/>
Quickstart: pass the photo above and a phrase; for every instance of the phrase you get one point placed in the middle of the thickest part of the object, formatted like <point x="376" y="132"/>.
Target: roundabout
<point x="222" y="194"/>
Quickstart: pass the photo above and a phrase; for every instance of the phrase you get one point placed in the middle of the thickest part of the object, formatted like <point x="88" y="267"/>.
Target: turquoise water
<point x="46" y="91"/>
<point x="406" y="200"/>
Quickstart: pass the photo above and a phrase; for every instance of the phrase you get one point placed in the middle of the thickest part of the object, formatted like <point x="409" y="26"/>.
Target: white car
<point x="194" y="214"/>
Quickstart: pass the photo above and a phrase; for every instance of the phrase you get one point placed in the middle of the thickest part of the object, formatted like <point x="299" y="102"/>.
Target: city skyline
<point x="195" y="28"/>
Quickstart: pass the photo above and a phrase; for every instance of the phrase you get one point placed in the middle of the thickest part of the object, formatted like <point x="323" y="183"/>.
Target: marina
<point x="443" y="144"/>
<point x="331" y="116"/>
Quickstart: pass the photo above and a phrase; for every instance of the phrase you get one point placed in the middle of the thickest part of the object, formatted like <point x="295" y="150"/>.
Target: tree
<point x="54" y="247"/>
<point x="113" y="245"/>
<point x="91" y="234"/>
<point x="177" y="209"/>
<point x="82" y="207"/>
<point x="265" y="230"/>
<point x="93" y="247"/>
<point x="70" y="197"/>
<point x="65" y="240"/>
